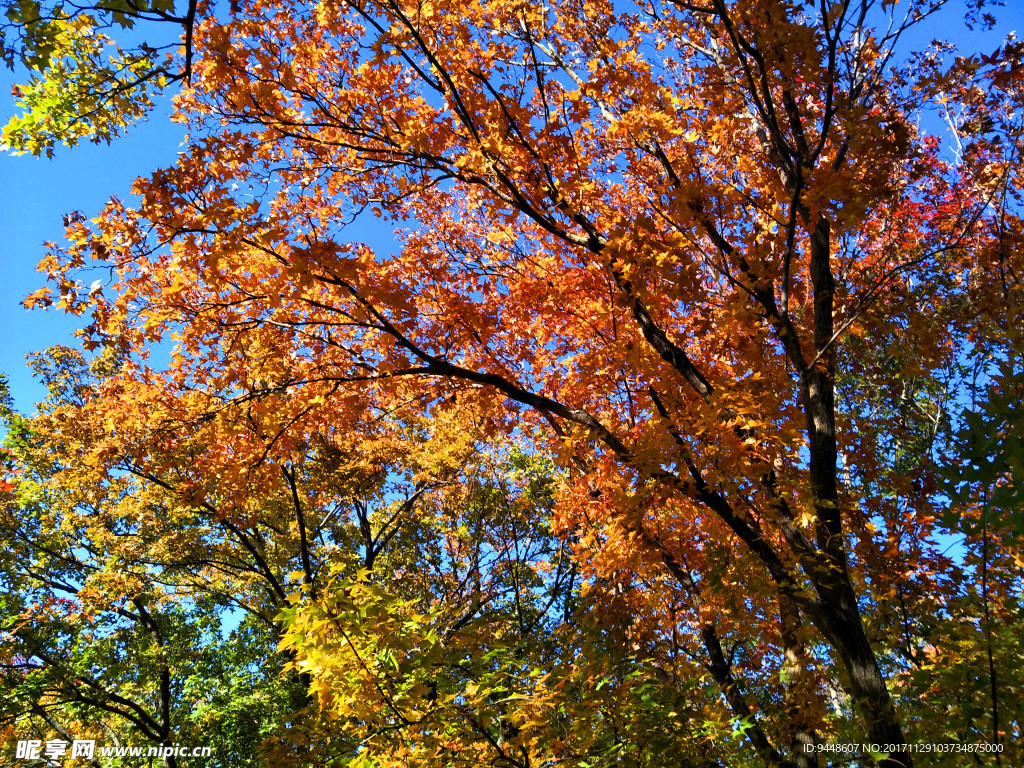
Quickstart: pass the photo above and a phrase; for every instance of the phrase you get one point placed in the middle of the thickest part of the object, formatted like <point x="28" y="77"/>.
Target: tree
<point x="82" y="83"/>
<point x="113" y="628"/>
<point x="127" y="568"/>
<point x="684" y="248"/>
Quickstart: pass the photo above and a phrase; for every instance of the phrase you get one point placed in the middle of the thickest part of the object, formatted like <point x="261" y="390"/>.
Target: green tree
<point x="83" y="83"/>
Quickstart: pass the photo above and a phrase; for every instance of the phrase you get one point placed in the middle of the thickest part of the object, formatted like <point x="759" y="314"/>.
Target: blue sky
<point x="36" y="193"/>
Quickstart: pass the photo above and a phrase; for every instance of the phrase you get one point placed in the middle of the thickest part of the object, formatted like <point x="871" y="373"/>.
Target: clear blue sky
<point x="36" y="193"/>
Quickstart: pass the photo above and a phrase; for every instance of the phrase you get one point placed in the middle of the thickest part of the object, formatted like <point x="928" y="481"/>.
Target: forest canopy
<point x="679" y="424"/>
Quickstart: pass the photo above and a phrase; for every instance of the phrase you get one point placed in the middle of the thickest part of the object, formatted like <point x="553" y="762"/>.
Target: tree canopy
<point x="641" y="445"/>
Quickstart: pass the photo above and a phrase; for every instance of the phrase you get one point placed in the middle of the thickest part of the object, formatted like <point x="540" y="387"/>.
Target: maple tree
<point x="82" y="83"/>
<point x="116" y="592"/>
<point x="110" y="630"/>
<point x="705" y="255"/>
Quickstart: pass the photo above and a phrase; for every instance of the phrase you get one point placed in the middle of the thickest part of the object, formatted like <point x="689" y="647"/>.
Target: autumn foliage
<point x="637" y="445"/>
